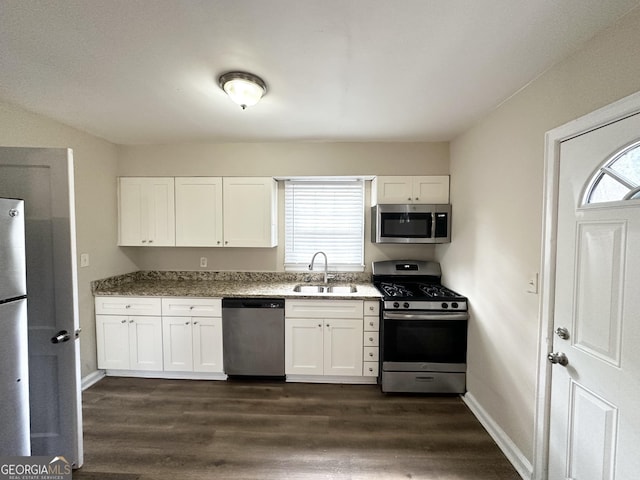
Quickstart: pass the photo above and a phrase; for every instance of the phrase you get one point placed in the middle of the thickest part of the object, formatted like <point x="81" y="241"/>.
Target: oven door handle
<point x="425" y="316"/>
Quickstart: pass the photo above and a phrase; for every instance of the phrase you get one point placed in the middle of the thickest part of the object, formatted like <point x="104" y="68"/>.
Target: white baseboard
<point x="511" y="451"/>
<point x="92" y="379"/>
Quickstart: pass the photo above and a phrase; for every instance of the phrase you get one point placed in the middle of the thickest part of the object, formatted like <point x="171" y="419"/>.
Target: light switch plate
<point x="84" y="260"/>
<point x="203" y="262"/>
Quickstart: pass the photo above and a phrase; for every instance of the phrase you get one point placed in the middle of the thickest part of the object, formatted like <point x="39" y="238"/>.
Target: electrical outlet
<point x="84" y="260"/>
<point x="532" y="284"/>
<point x="203" y="262"/>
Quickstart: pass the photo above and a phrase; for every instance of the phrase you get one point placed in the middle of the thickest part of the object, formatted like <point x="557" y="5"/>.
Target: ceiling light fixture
<point x="243" y="88"/>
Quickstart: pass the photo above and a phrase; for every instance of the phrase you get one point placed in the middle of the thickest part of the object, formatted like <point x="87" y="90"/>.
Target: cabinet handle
<point x="371" y="339"/>
<point x="409" y="198"/>
<point x="371" y="308"/>
<point x="187" y="323"/>
<point x="371" y="324"/>
<point x="371" y="369"/>
<point x="144" y="241"/>
<point x="371" y="354"/>
<point x="150" y="241"/>
<point x="195" y="323"/>
<point x="226" y="242"/>
<point x="131" y="321"/>
<point x="124" y="321"/>
<point x="417" y="198"/>
<point x="127" y="306"/>
<point x="191" y="307"/>
<point x="320" y="325"/>
<point x="328" y="325"/>
<point x="218" y="242"/>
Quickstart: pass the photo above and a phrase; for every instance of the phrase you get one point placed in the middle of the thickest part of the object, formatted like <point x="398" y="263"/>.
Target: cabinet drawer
<point x="372" y="307"/>
<point x="371" y="324"/>
<point x="370" y="339"/>
<point x="192" y="307"/>
<point x="128" y="306"/>
<point x="371" y="354"/>
<point x="323" y="308"/>
<point x="370" y="369"/>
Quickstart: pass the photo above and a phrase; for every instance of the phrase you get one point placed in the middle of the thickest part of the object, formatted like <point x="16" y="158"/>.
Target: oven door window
<point x="406" y="225"/>
<point x="427" y="341"/>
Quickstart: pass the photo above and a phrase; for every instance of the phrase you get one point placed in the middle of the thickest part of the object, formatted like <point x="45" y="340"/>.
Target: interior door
<point x="44" y="179"/>
<point x="595" y="419"/>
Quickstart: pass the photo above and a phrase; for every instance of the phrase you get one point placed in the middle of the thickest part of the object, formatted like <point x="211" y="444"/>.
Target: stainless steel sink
<point x="342" y="289"/>
<point x="328" y="289"/>
<point x="309" y="289"/>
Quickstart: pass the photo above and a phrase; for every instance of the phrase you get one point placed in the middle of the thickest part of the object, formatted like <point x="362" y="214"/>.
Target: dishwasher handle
<point x="275" y="303"/>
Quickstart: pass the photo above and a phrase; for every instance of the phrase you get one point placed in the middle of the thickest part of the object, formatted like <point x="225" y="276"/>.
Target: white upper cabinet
<point x="250" y="211"/>
<point x="409" y="189"/>
<point x="198" y="211"/>
<point x="146" y="211"/>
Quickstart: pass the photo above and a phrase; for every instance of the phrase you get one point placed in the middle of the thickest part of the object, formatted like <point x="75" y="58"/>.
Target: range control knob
<point x="454" y="305"/>
<point x="396" y="305"/>
<point x="406" y="305"/>
<point x="445" y="305"/>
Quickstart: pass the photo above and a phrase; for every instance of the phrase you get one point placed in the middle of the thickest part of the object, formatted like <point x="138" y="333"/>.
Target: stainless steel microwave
<point x="410" y="223"/>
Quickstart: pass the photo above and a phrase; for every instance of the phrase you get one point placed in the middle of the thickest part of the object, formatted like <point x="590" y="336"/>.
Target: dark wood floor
<point x="142" y="429"/>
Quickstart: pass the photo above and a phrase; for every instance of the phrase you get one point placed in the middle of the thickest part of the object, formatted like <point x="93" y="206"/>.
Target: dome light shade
<point x="243" y="88"/>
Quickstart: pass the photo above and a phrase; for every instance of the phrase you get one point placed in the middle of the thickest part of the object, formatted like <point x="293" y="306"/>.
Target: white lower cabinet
<point x="323" y="337"/>
<point x="129" y="342"/>
<point x="192" y="344"/>
<point x="135" y="334"/>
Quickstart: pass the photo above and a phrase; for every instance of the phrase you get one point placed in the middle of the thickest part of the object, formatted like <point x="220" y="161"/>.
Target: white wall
<point x="497" y="181"/>
<point x="95" y="162"/>
<point x="279" y="160"/>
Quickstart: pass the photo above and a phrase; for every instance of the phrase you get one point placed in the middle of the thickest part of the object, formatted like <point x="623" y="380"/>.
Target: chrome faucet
<point x="326" y="265"/>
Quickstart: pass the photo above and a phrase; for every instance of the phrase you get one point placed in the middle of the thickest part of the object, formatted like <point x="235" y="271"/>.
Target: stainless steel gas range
<point x="423" y="329"/>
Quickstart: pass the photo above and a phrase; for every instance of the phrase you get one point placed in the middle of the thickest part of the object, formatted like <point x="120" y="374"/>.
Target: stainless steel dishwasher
<point x="253" y="336"/>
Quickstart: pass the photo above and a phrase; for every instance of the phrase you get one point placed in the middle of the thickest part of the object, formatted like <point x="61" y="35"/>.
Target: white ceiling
<point x="145" y="71"/>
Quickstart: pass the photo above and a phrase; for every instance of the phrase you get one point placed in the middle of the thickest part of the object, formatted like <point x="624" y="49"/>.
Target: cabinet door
<point x="198" y="211"/>
<point x="398" y="189"/>
<point x="132" y="216"/>
<point x="303" y="346"/>
<point x="250" y="212"/>
<point x="112" y="338"/>
<point x="145" y="343"/>
<point x="431" y="189"/>
<point x="343" y="347"/>
<point x="146" y="211"/>
<point x="161" y="212"/>
<point x="207" y="344"/>
<point x="177" y="344"/>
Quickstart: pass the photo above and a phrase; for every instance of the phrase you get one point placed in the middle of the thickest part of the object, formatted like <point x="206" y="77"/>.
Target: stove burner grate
<point x="395" y="290"/>
<point x="436" y="291"/>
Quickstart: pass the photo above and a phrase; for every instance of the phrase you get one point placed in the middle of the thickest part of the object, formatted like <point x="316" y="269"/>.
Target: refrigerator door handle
<point x="61" y="336"/>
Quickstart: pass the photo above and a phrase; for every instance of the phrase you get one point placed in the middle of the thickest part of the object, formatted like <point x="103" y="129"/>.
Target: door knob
<point x="563" y="333"/>
<point x="61" y="336"/>
<point x="559" y="358"/>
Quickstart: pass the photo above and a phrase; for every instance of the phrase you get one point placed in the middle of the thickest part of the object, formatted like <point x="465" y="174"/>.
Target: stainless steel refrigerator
<point x="14" y="359"/>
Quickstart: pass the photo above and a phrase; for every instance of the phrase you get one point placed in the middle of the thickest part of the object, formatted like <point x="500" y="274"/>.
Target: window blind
<point x="324" y="216"/>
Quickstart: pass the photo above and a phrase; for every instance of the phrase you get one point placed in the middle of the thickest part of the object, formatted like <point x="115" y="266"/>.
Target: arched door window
<point x="617" y="179"/>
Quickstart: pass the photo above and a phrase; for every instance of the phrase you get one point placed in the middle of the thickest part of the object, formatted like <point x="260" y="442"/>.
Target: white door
<point x="145" y="343"/>
<point x="177" y="344"/>
<point x="207" y="344"/>
<point x="594" y="413"/>
<point x="198" y="211"/>
<point x="112" y="342"/>
<point x="43" y="177"/>
<point x="303" y="341"/>
<point x="343" y="347"/>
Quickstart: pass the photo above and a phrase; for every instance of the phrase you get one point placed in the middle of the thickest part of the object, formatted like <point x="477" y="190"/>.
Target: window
<point x="324" y="215"/>
<point x="617" y="179"/>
